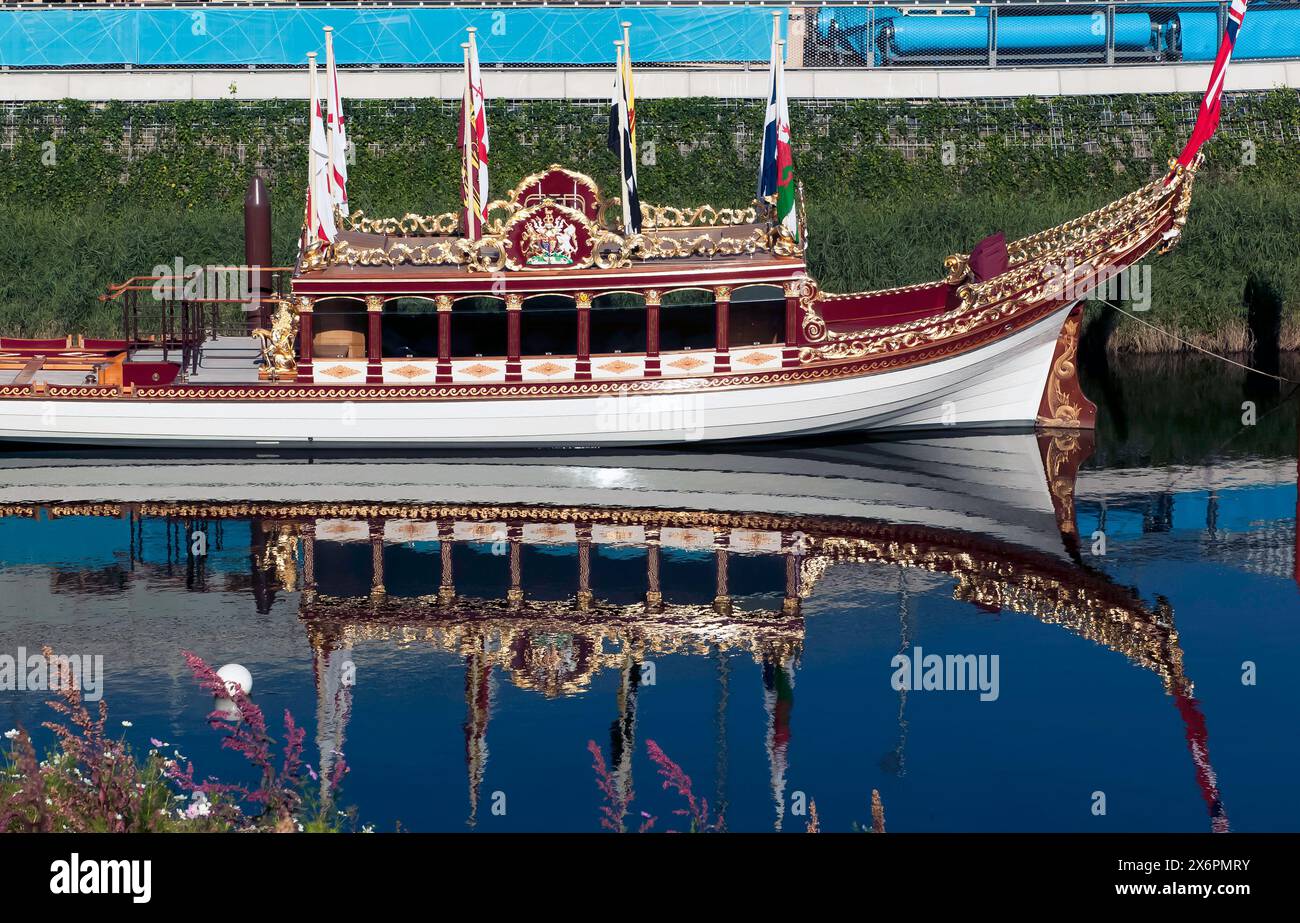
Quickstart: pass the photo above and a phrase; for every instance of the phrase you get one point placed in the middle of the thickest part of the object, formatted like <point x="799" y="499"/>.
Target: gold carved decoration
<point x="610" y="248"/>
<point x="374" y="304"/>
<point x="668" y="216"/>
<point x="1044" y="268"/>
<point x="1061" y="467"/>
<point x="279" y="357"/>
<point x="1062" y="411"/>
<point x="409" y="225"/>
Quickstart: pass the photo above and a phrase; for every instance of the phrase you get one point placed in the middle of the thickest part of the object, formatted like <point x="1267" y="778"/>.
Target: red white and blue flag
<point x="1207" y="121"/>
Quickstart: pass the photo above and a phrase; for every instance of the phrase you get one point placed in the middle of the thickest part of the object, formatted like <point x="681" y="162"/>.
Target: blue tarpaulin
<point x="207" y="37"/>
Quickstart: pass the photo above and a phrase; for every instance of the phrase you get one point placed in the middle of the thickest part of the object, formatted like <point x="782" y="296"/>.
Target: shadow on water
<point x="1186" y="408"/>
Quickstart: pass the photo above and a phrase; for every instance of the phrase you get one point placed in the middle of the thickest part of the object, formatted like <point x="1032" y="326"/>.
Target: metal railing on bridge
<point x="868" y="34"/>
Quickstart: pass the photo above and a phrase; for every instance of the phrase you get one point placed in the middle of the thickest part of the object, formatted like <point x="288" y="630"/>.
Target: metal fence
<point x="1021" y="34"/>
<point x="876" y="33"/>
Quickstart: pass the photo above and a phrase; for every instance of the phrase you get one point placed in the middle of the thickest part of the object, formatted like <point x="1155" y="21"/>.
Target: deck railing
<point x="154" y="317"/>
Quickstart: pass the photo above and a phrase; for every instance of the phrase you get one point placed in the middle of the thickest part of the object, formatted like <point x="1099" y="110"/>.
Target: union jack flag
<point x="1207" y="121"/>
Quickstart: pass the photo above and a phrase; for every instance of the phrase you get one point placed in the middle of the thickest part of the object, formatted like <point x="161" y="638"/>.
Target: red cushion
<point x="876" y="309"/>
<point x="990" y="257"/>
<point x="20" y="343"/>
<point x="149" y="373"/>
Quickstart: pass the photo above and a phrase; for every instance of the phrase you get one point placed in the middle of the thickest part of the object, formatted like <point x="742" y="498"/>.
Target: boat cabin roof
<point x="553" y="232"/>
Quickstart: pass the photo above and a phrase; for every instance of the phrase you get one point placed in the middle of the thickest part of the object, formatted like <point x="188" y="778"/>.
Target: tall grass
<point x="1235" y="232"/>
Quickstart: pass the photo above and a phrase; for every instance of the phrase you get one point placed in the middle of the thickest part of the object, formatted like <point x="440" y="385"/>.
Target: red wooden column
<point x="790" y="354"/>
<point x="514" y="313"/>
<point x="305" y="338"/>
<point x="374" y="339"/>
<point x="722" y="346"/>
<point x="652" y="300"/>
<point x="583" y="369"/>
<point x="443" y="303"/>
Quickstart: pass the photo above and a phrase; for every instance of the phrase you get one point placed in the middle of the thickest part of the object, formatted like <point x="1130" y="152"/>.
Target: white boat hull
<point x="997" y="385"/>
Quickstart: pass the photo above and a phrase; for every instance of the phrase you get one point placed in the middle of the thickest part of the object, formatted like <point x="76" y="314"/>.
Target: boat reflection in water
<point x="547" y="571"/>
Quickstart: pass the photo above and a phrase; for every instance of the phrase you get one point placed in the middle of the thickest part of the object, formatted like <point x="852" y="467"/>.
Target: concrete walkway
<point x="593" y="83"/>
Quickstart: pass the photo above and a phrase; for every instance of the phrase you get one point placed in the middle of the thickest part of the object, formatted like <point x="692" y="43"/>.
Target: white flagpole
<point x="310" y="224"/>
<point x="620" y="97"/>
<point x="322" y="219"/>
<point x="629" y="92"/>
<point x="478" y="106"/>
<point x="764" y="153"/>
<point x="466" y="139"/>
<point x="336" y="132"/>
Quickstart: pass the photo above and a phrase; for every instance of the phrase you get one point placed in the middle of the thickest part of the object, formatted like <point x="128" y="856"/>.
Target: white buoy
<point x="236" y="678"/>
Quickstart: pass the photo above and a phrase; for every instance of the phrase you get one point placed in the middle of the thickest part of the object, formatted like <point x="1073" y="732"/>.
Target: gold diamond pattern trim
<point x="339" y="371"/>
<point x="479" y="370"/>
<point x="617" y="367"/>
<point x="686" y="363"/>
<point x="547" y="368"/>
<point x="411" y="371"/>
<point x="757" y="358"/>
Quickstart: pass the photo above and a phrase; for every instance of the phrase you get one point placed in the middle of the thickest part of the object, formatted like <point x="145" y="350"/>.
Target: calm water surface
<point x="766" y="672"/>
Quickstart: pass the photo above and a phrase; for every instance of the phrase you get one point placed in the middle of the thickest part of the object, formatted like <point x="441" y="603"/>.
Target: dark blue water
<point x="439" y="732"/>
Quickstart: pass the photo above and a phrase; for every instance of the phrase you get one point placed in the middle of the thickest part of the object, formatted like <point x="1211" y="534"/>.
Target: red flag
<point x="1207" y="122"/>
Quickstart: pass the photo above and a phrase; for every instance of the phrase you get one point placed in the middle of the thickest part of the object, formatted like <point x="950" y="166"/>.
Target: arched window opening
<point x="478" y="327"/>
<point x="549" y="326"/>
<point x="618" y="323"/>
<point x="339" y="328"/>
<point x="757" y="316"/>
<point x="687" y="319"/>
<point x="410" y="328"/>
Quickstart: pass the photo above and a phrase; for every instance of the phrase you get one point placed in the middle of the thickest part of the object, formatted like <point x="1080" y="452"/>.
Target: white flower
<point x="127" y="724"/>
<point x="11" y="734"/>
<point x="198" y="809"/>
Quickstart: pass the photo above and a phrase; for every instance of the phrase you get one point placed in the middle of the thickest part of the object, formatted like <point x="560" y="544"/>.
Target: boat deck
<point x="224" y="360"/>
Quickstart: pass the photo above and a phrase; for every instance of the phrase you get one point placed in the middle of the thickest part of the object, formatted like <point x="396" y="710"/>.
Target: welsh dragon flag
<point x="776" y="172"/>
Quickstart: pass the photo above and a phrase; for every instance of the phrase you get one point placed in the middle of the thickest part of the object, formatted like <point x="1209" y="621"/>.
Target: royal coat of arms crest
<point x="549" y="240"/>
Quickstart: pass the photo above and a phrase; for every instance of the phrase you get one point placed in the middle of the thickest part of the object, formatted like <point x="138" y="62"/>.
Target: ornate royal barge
<point x="560" y="317"/>
<point x="758" y="349"/>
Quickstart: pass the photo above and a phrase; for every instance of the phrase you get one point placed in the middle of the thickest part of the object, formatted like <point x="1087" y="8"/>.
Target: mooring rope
<point x="1176" y="338"/>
